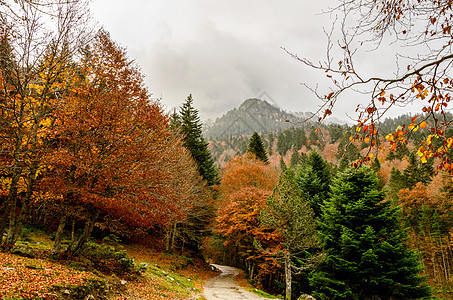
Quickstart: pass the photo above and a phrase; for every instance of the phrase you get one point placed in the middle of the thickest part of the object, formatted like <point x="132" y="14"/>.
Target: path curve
<point x="224" y="287"/>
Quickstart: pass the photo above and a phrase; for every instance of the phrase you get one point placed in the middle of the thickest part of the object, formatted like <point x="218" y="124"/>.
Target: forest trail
<point x="225" y="287"/>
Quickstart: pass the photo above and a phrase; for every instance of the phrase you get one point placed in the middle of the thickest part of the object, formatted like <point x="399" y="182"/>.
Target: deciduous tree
<point x="288" y="212"/>
<point x="36" y="72"/>
<point x="112" y="148"/>
<point x="427" y="214"/>
<point x="246" y="182"/>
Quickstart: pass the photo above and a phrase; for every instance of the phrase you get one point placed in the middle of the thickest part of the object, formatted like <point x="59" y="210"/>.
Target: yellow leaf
<point x="449" y="142"/>
<point x="423" y="159"/>
<point x="419" y="153"/>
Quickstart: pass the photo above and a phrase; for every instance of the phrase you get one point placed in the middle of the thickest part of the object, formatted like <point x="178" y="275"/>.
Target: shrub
<point x="108" y="259"/>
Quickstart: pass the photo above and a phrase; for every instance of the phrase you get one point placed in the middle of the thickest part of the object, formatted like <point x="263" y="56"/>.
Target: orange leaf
<point x="423" y="125"/>
<point x="437" y="107"/>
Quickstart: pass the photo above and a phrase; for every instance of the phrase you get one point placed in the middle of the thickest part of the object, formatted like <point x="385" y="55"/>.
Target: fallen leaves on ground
<point x="32" y="278"/>
<point x="168" y="276"/>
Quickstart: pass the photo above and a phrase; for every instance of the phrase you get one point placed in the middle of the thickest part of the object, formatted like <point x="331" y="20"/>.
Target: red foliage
<point x="112" y="147"/>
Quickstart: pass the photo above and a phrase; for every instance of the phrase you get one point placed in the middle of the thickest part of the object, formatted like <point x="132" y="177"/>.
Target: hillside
<point x="252" y="115"/>
<point x="113" y="270"/>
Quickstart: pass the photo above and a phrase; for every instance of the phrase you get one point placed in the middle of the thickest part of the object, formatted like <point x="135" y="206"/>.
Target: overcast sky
<point x="222" y="52"/>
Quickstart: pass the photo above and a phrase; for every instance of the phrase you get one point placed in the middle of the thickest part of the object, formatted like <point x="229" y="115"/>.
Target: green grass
<point x="165" y="279"/>
<point x="172" y="281"/>
<point x="264" y="294"/>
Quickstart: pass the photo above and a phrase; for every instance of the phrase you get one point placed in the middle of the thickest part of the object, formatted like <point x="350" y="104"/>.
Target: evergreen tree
<point x="399" y="153"/>
<point x="396" y="181"/>
<point x="257" y="148"/>
<point x="367" y="257"/>
<point x="314" y="180"/>
<point x="194" y="141"/>
<point x="344" y="164"/>
<point x="303" y="159"/>
<point x="417" y="172"/>
<point x="294" y="160"/>
<point x="175" y="120"/>
<point x="376" y="165"/>
<point x="283" y="165"/>
<point x="271" y="139"/>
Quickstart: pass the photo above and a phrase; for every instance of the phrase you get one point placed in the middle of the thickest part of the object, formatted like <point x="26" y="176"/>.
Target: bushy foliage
<point x="109" y="259"/>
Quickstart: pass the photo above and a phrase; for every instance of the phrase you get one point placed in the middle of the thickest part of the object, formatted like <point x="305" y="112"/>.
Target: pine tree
<point x="195" y="227"/>
<point x="294" y="160"/>
<point x="417" y="172"/>
<point x="314" y="180"/>
<point x="194" y="141"/>
<point x="257" y="148"/>
<point x="283" y="165"/>
<point x="367" y="257"/>
<point x="175" y="120"/>
<point x="344" y="164"/>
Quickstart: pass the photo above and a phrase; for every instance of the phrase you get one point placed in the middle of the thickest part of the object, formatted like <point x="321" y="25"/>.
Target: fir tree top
<point x="191" y="129"/>
<point x="256" y="147"/>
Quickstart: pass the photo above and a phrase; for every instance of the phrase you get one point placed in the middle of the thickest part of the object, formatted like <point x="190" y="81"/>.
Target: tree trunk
<point x="288" y="275"/>
<point x="76" y="246"/>
<point x="16" y="230"/>
<point x="60" y="230"/>
<point x="73" y="229"/>
<point x="251" y="268"/>
<point x="10" y="207"/>
<point x="170" y="237"/>
<point x="236" y="260"/>
<point x="16" y="221"/>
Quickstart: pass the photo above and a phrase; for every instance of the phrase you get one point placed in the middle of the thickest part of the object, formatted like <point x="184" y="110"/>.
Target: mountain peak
<point x="252" y="115"/>
<point x="255" y="101"/>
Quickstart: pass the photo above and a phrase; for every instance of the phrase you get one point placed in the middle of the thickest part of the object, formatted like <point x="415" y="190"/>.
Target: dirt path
<point x="223" y="286"/>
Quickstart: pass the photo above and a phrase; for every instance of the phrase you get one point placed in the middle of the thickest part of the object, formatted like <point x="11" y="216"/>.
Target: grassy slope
<point x="167" y="276"/>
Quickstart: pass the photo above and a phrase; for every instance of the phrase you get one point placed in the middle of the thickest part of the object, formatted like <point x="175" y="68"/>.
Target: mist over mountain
<point x="252" y="115"/>
<point x="256" y="115"/>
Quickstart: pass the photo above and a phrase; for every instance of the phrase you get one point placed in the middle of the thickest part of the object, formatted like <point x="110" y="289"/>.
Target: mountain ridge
<point x="258" y="115"/>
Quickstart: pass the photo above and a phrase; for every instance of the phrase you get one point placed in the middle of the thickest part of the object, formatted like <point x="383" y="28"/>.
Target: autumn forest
<point x="333" y="211"/>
